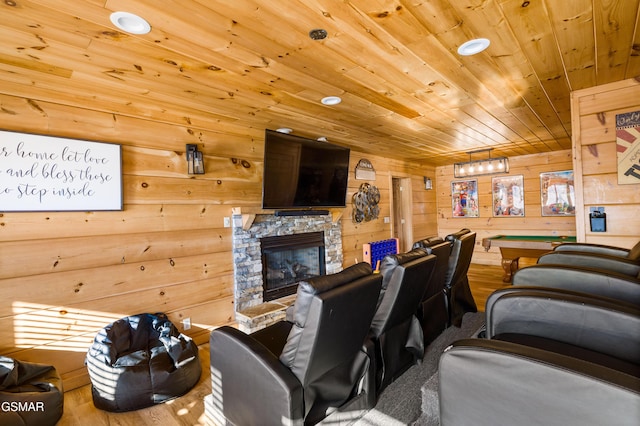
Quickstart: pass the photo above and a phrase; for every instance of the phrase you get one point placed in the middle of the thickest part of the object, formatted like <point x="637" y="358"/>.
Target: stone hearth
<point x="252" y="313"/>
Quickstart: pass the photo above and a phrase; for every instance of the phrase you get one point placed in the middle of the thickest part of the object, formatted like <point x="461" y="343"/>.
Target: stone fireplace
<point x="253" y="310"/>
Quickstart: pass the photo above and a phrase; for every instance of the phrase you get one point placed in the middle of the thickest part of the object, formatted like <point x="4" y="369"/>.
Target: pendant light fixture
<point x="487" y="166"/>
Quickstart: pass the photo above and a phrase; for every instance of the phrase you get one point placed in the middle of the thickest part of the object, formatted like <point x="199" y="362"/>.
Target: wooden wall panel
<point x="354" y="235"/>
<point x="71" y="273"/>
<point x="75" y="253"/>
<point x="82" y="286"/>
<point x="533" y="223"/>
<point x="47" y="118"/>
<point x="154" y="190"/>
<point x="65" y="322"/>
<point x="594" y="149"/>
<point x="599" y="158"/>
<point x="133" y="219"/>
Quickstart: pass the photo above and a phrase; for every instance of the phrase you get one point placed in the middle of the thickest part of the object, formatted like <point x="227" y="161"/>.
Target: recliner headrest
<point x="391" y="261"/>
<point x="457" y="235"/>
<point x="320" y="284"/>
<point x="401" y="258"/>
<point x="317" y="285"/>
<point x="428" y="242"/>
<point x="442" y="248"/>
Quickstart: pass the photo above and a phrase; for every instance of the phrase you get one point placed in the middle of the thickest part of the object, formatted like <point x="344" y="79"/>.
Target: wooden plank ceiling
<point x="406" y="93"/>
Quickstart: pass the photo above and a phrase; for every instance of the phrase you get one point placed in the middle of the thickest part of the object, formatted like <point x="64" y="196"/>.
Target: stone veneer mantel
<point x="248" y="214"/>
<point x="249" y="226"/>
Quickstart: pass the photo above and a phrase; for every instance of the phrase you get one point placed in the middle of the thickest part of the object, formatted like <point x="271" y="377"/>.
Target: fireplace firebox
<point x="289" y="259"/>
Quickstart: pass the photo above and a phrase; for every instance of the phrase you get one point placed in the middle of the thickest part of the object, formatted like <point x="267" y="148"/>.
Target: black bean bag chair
<point x="139" y="361"/>
<point x="30" y="394"/>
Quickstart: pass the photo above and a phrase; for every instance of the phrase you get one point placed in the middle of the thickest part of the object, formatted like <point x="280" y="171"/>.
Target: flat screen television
<point x="301" y="173"/>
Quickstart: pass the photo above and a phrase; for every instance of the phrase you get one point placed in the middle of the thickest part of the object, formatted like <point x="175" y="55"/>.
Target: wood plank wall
<point x="65" y="275"/>
<point x="423" y="211"/>
<point x="594" y="143"/>
<point x="533" y="223"/>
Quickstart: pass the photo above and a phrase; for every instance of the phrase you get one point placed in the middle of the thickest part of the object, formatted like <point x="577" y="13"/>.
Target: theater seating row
<point x="562" y="346"/>
<point x="347" y="336"/>
<point x="450" y="282"/>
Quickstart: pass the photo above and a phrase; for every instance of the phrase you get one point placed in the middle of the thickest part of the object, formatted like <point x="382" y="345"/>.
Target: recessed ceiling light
<point x="472" y="47"/>
<point x="130" y="23"/>
<point x="284" y="130"/>
<point x="331" y="100"/>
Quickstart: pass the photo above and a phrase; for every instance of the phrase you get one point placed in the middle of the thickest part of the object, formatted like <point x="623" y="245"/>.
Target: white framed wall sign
<point x="46" y="173"/>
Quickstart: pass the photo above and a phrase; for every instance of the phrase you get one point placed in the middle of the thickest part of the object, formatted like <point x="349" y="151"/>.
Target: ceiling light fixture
<point x="322" y="139"/>
<point x="481" y="167"/>
<point x="285" y="130"/>
<point x="473" y="47"/>
<point x="130" y="23"/>
<point x="331" y="100"/>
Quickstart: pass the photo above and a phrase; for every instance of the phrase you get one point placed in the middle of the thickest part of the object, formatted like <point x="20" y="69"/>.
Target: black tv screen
<point x="303" y="173"/>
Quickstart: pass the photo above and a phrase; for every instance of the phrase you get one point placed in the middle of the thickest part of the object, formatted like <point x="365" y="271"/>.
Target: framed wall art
<point x="628" y="147"/>
<point x="557" y="193"/>
<point x="464" y="198"/>
<point x="508" y="196"/>
<point x="46" y="173"/>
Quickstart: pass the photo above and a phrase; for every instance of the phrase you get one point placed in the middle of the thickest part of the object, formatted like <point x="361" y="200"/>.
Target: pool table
<point x="513" y="247"/>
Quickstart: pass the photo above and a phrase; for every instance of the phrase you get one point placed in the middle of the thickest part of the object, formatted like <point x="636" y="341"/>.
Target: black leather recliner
<point x="395" y="329"/>
<point x="300" y="372"/>
<point x="587" y="280"/>
<point x="492" y="382"/>
<point x="625" y="253"/>
<point x="552" y="357"/>
<point x="611" y="258"/>
<point x="459" y="297"/>
<point x="432" y="311"/>
<point x="574" y="323"/>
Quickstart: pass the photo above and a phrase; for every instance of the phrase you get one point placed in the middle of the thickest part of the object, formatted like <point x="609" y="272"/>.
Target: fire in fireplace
<point x="288" y="259"/>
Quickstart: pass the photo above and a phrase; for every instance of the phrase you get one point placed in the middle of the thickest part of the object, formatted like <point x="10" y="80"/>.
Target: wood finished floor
<point x="189" y="409"/>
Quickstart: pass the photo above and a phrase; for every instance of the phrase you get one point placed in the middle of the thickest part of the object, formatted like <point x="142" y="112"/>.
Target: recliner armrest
<point x="249" y="383"/>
